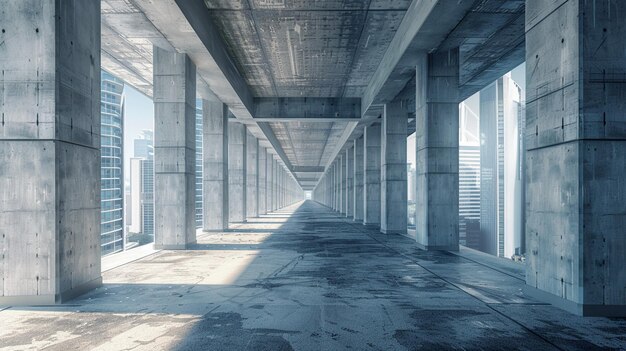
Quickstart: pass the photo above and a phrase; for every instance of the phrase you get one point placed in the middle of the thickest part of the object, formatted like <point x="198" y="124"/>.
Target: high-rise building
<point x="502" y="123"/>
<point x="198" y="163"/>
<point x="142" y="189"/>
<point x="111" y="165"/>
<point x="469" y="174"/>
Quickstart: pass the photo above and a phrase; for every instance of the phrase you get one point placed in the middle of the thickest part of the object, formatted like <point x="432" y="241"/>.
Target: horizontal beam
<point x="307" y="169"/>
<point x="307" y="109"/>
<point x="424" y="26"/>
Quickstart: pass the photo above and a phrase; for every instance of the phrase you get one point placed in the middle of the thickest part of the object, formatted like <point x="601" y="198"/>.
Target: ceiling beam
<point x="306" y="109"/>
<point x="308" y="169"/>
<point x="424" y="26"/>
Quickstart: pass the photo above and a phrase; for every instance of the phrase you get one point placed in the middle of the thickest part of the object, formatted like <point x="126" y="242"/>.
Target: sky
<point x="138" y="115"/>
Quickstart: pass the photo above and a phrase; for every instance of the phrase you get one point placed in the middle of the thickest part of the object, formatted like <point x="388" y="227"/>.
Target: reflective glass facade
<point x="198" y="163"/>
<point x="111" y="166"/>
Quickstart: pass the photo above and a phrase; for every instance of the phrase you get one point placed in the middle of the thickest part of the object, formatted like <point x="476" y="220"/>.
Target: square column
<point x="576" y="155"/>
<point x="371" y="191"/>
<point x="270" y="182"/>
<point x="174" y="150"/>
<point x="262" y="181"/>
<point x="437" y="154"/>
<point x="252" y="160"/>
<point x="237" y="174"/>
<point x="358" y="179"/>
<point x="393" y="175"/>
<point x="349" y="182"/>
<point x="215" y="167"/>
<point x="342" y="184"/>
<point x="49" y="151"/>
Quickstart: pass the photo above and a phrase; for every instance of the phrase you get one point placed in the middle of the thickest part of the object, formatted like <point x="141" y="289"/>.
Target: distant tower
<point x="142" y="185"/>
<point x="198" y="163"/>
<point x="112" y="163"/>
<point x="469" y="175"/>
<point x="502" y="126"/>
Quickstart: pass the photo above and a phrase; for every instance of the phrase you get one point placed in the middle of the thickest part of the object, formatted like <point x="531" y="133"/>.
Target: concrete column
<point x="215" y="175"/>
<point x="237" y="174"/>
<point x="358" y="180"/>
<point x="252" y="165"/>
<point x="371" y="193"/>
<point x="437" y="144"/>
<point x="576" y="155"/>
<point x="49" y="150"/>
<point x="262" y="176"/>
<point x="342" y="184"/>
<point x="174" y="149"/>
<point x="350" y="182"/>
<point x="270" y="182"/>
<point x="393" y="175"/>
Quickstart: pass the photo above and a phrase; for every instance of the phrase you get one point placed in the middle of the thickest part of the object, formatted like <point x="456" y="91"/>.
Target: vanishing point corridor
<point x="305" y="278"/>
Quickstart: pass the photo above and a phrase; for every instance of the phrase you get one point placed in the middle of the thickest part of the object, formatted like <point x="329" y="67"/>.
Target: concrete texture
<point x="262" y="181"/>
<point x="371" y="192"/>
<point x="49" y="150"/>
<point x="393" y="172"/>
<point x="174" y="150"/>
<point x="349" y="182"/>
<point x="237" y="174"/>
<point x="252" y="180"/>
<point x="304" y="278"/>
<point x="358" y="180"/>
<point x="576" y="139"/>
<point x="437" y="154"/>
<point x="215" y="165"/>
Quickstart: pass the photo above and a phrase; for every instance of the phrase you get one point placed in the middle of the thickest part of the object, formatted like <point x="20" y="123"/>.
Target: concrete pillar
<point x="358" y="180"/>
<point x="262" y="185"/>
<point x="371" y="193"/>
<point x="174" y="149"/>
<point x="237" y="174"/>
<point x="215" y="175"/>
<point x="342" y="184"/>
<point x="437" y="154"/>
<point x="252" y="165"/>
<point x="349" y="182"/>
<point x="270" y="182"/>
<point x="393" y="175"/>
<point x="49" y="150"/>
<point x="576" y="155"/>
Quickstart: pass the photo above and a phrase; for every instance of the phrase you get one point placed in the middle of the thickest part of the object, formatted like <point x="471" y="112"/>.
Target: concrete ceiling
<point x="250" y="50"/>
<point x="307" y="48"/>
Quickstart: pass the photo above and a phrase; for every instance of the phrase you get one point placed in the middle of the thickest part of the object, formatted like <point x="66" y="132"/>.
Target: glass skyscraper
<point x="111" y="166"/>
<point x="198" y="163"/>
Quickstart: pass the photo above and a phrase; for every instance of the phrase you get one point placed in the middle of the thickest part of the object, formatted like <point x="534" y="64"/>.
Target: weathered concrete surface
<point x="393" y="172"/>
<point x="49" y="150"/>
<point x="349" y="157"/>
<point x="237" y="174"/>
<point x="262" y="180"/>
<point x="174" y="149"/>
<point x="215" y="160"/>
<point x="437" y="151"/>
<point x="358" y="180"/>
<point x="304" y="278"/>
<point x="371" y="192"/>
<point x="252" y="165"/>
<point x="576" y="140"/>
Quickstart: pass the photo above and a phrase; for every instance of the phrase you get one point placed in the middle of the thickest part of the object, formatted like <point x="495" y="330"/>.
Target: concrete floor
<point x="306" y="279"/>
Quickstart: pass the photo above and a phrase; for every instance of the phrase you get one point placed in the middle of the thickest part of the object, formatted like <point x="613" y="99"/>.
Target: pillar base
<point x="392" y="231"/>
<point x="585" y="310"/>
<point x="174" y="246"/>
<point x="454" y="248"/>
<point x="42" y="300"/>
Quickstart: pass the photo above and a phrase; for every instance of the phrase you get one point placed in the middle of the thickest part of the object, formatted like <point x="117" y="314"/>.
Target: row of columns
<point x="576" y="157"/>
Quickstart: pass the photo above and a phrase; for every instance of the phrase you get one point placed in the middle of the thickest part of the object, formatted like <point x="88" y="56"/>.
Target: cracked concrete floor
<point x="304" y="278"/>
